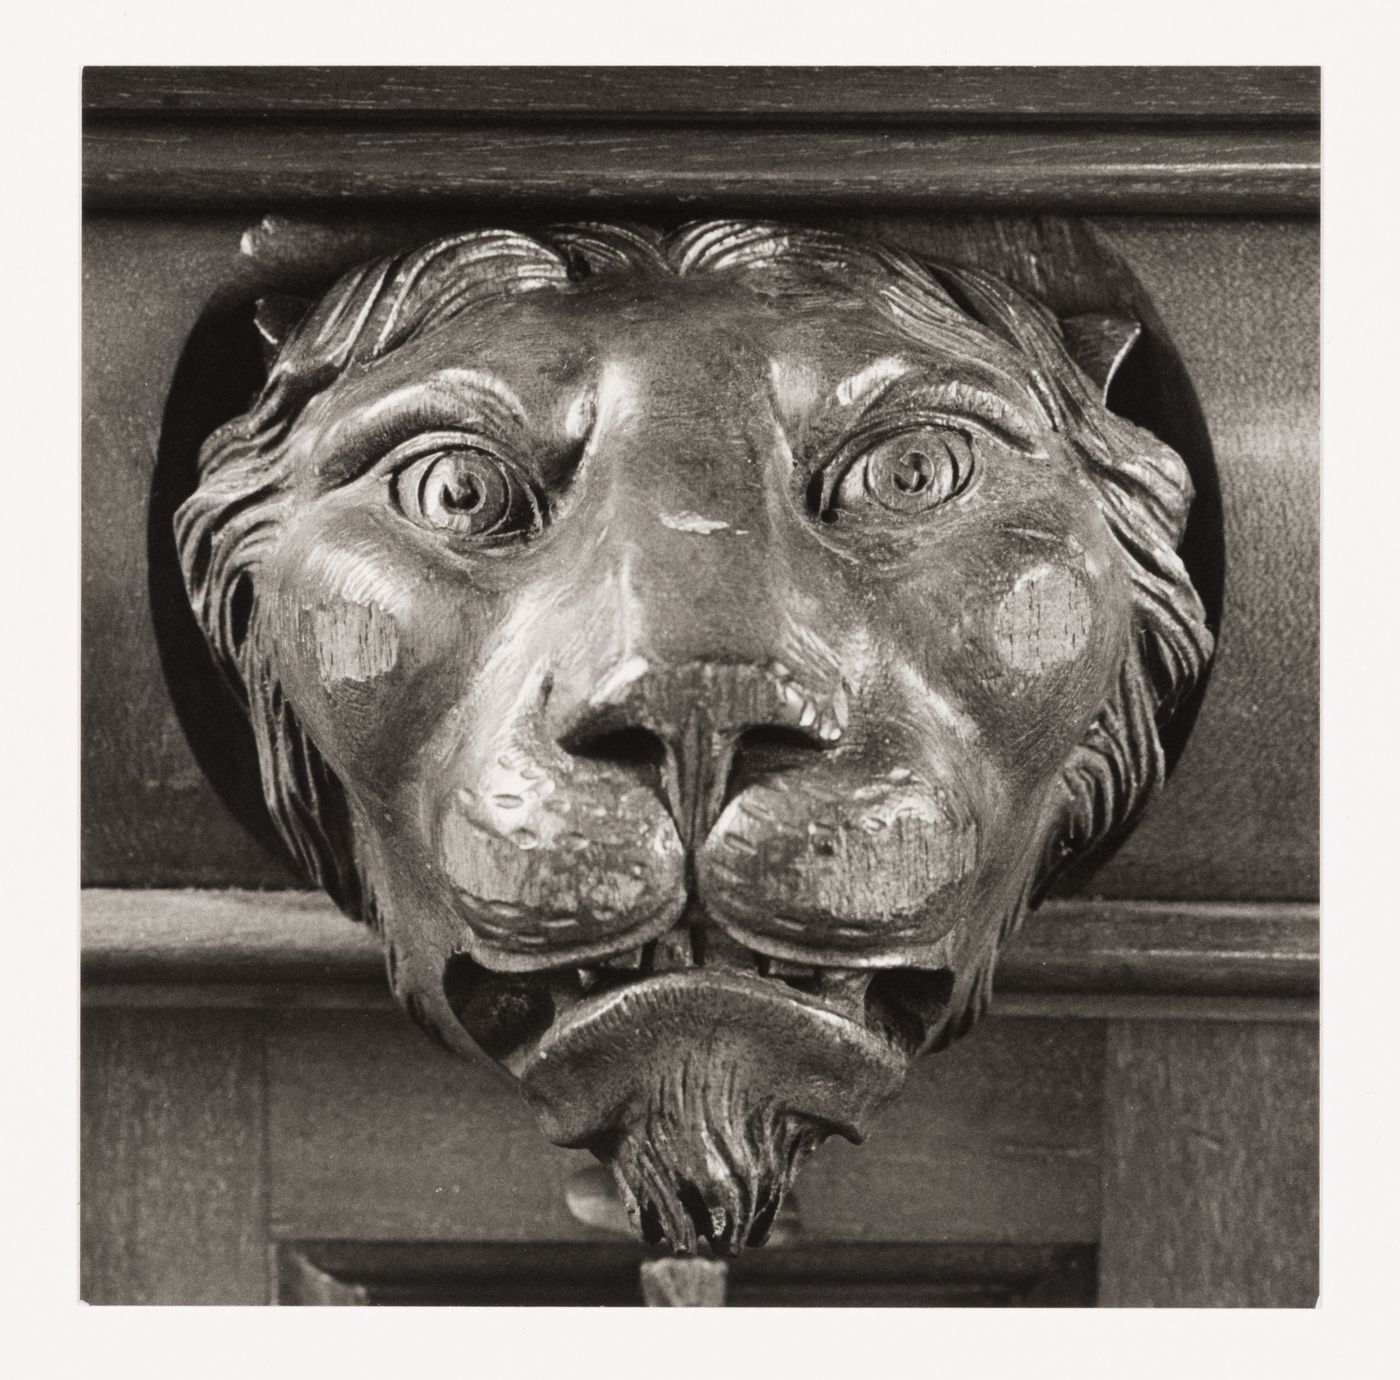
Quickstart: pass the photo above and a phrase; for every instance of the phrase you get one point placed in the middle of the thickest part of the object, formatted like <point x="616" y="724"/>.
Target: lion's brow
<point x="874" y="378"/>
<point x="898" y="386"/>
<point x="436" y="400"/>
<point x="479" y="381"/>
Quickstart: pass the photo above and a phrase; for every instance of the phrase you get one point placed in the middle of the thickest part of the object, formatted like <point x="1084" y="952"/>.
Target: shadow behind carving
<point x="1152" y="389"/>
<point x="219" y="373"/>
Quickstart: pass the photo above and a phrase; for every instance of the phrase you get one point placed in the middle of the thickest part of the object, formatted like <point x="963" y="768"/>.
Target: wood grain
<point x="148" y="164"/>
<point x="144" y="791"/>
<point x="1210" y="1167"/>
<point x="993" y="1140"/>
<point x="1243" y="311"/>
<point x="172" y="1144"/>
<point x="721" y="94"/>
<point x="228" y="936"/>
<point x="374" y="1134"/>
<point x="1144" y="948"/>
<point x="272" y="938"/>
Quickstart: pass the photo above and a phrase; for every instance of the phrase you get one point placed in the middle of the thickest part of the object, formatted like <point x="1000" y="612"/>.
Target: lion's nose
<point x="699" y="732"/>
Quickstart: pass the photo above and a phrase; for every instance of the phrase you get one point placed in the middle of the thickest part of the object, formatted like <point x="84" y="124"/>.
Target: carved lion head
<point x="691" y="654"/>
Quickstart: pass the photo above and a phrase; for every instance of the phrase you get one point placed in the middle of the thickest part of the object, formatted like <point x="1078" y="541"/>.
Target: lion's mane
<point x="230" y="522"/>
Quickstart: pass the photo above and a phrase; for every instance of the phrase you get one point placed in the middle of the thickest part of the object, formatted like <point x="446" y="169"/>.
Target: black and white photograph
<point x="701" y="686"/>
<point x="698" y="682"/>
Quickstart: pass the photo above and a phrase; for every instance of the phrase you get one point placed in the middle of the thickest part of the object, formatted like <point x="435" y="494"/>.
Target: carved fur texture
<point x="710" y="1159"/>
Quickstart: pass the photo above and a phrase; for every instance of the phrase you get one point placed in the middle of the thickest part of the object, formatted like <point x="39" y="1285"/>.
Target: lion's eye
<point x="909" y="473"/>
<point x="467" y="492"/>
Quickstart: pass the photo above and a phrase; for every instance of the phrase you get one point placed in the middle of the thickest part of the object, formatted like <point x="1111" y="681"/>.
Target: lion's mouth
<point x="701" y="1071"/>
<point x="512" y="1015"/>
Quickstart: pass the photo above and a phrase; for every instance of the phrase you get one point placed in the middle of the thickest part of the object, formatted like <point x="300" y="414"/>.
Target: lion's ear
<point x="1099" y="344"/>
<point x="276" y="316"/>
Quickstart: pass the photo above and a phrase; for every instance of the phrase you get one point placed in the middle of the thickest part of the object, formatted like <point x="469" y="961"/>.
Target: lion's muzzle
<point x="743" y="791"/>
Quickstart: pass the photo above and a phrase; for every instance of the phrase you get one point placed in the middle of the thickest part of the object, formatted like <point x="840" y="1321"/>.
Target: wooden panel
<point x="1191" y="1142"/>
<point x="1237" y="821"/>
<point x="1240" y="817"/>
<point x="144" y="163"/>
<point x="1210" y="1167"/>
<point x="376" y="1135"/>
<point x="172" y="1144"/>
<point x="274" y="938"/>
<point x="714" y="93"/>
<point x="996" y="1139"/>
<point x="149" y="813"/>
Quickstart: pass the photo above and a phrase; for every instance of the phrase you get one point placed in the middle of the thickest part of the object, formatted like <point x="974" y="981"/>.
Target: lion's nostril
<point x="780" y="746"/>
<point x="639" y="751"/>
<point x="700" y="732"/>
<point x="766" y="752"/>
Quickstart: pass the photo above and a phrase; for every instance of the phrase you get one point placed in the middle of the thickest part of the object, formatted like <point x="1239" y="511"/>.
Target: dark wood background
<point x="1147" y="1092"/>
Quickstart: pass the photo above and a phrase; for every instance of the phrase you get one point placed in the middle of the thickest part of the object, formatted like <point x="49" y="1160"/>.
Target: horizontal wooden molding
<point x="251" y="165"/>
<point x="719" y="94"/>
<point x="794" y="139"/>
<point x="595" y="1273"/>
<point x="1098" y="959"/>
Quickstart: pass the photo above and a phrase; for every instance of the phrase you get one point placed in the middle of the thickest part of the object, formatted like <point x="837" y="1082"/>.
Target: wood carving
<point x="692" y="654"/>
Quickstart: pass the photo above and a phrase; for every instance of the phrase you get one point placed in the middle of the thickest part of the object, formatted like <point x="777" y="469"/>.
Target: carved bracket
<point x="692" y="653"/>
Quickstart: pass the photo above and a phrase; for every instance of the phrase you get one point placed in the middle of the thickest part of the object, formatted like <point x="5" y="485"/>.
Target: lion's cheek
<point x="864" y="864"/>
<point x="338" y="662"/>
<point x="1036" y="655"/>
<point x="1042" y="624"/>
<point x="540" y="864"/>
<point x="367" y="643"/>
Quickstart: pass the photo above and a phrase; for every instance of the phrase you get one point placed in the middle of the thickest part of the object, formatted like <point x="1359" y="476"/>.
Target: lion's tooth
<point x="672" y="951"/>
<point x="842" y="707"/>
<point x="781" y="967"/>
<point x="587" y="978"/>
<point x="629" y="961"/>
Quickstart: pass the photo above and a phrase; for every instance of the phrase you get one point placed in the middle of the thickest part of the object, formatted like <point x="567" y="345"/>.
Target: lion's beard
<point x="708" y="1157"/>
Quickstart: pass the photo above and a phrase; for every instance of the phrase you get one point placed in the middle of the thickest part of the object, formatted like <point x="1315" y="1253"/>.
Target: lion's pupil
<point x="464" y="494"/>
<point x="913" y="472"/>
<point x="469" y="494"/>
